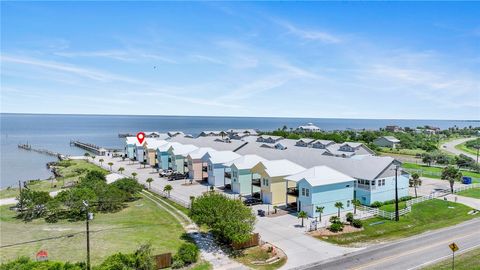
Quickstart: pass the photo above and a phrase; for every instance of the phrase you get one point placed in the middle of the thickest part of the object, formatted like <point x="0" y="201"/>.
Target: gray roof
<point x="214" y="142"/>
<point x="391" y="139"/>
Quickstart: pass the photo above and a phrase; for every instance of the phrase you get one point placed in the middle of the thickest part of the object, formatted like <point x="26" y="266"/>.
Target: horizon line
<point x="229" y="116"/>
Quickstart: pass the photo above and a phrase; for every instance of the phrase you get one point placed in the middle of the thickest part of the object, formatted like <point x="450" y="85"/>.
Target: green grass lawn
<point x="464" y="148"/>
<point x="434" y="172"/>
<point x="77" y="169"/>
<point x="428" y="215"/>
<point x="473" y="193"/>
<point x="408" y="152"/>
<point x="141" y="222"/>
<point x="469" y="260"/>
<point x="391" y="207"/>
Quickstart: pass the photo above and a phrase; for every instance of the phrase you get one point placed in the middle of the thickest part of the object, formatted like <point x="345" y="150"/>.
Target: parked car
<point x="177" y="176"/>
<point x="165" y="173"/>
<point x="252" y="201"/>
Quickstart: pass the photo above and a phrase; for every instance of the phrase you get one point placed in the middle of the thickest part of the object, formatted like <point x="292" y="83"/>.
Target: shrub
<point x="336" y="227"/>
<point x="335" y="219"/>
<point x="349" y="217"/>
<point x="357" y="223"/>
<point x="376" y="204"/>
<point x="177" y="263"/>
<point x="188" y="253"/>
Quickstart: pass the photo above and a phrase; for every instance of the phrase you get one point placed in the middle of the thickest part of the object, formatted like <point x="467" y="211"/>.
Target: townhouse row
<point x="295" y="175"/>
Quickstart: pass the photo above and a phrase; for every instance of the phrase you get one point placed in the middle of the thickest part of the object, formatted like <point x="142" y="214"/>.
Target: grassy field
<point x="408" y="152"/>
<point x="428" y="215"/>
<point x="75" y="170"/>
<point x="469" y="260"/>
<point x="141" y="222"/>
<point x="473" y="193"/>
<point x="391" y="207"/>
<point x="464" y="148"/>
<point x="434" y="172"/>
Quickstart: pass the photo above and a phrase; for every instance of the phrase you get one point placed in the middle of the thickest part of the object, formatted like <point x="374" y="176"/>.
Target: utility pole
<point x="87" y="217"/>
<point x="397" y="216"/>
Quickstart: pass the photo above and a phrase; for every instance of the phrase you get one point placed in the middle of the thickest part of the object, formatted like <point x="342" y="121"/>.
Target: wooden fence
<point x="253" y="242"/>
<point x="163" y="260"/>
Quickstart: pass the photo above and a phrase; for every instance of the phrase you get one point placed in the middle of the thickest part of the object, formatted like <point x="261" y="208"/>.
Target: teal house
<point x="242" y="175"/>
<point x="178" y="156"/>
<point x="323" y="186"/>
<point x="163" y="156"/>
<point x="131" y="144"/>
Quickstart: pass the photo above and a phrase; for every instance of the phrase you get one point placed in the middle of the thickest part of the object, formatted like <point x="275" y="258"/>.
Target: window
<point x="209" y="167"/>
<point x="303" y="191"/>
<point x="348" y="204"/>
<point x="307" y="192"/>
<point x="367" y="182"/>
<point x="373" y="182"/>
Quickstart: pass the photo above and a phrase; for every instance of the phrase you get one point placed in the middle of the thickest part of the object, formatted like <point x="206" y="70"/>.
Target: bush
<point x="376" y="204"/>
<point x="188" y="253"/>
<point x="336" y="227"/>
<point x="177" y="263"/>
<point x="349" y="217"/>
<point x="357" y="223"/>
<point x="335" y="219"/>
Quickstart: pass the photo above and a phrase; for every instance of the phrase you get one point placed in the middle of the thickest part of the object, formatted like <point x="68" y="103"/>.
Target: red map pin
<point x="140" y="137"/>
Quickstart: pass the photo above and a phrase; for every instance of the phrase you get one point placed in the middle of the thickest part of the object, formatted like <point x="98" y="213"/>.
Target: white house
<point x="218" y="173"/>
<point x="310" y="127"/>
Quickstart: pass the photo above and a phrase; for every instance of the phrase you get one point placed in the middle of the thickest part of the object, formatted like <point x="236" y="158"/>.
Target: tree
<point x="167" y="189"/>
<point x="110" y="164"/>
<point x="149" y="181"/>
<point x="229" y="220"/>
<point x="415" y="181"/>
<point x="319" y="210"/>
<point x="32" y="204"/>
<point x="101" y="162"/>
<point x="339" y="206"/>
<point x="356" y="203"/>
<point x="86" y="154"/>
<point x="93" y="157"/>
<point x="427" y="159"/>
<point x="121" y="169"/>
<point x="303" y="215"/>
<point x="451" y="174"/>
<point x="134" y="174"/>
<point x="129" y="186"/>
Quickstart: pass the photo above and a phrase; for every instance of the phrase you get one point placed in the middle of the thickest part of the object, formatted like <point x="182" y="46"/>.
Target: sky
<point x="393" y="60"/>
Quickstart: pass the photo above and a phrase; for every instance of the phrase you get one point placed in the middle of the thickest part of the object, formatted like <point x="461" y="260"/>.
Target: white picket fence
<point x="170" y="197"/>
<point x="476" y="185"/>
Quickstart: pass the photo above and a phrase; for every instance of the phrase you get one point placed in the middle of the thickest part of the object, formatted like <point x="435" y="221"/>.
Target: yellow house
<point x="150" y="150"/>
<point x="272" y="183"/>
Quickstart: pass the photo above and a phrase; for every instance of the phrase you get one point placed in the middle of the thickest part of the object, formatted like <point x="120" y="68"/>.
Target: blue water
<point x="54" y="132"/>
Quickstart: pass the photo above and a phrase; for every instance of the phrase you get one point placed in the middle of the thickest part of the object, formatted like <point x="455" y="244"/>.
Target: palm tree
<point x="319" y="210"/>
<point x="275" y="207"/>
<point x="302" y="215"/>
<point x="451" y="174"/>
<point x="134" y="174"/>
<point x="86" y="154"/>
<point x="101" y="161"/>
<point x="167" y="189"/>
<point x="110" y="164"/>
<point x="415" y="181"/>
<point x="93" y="157"/>
<point x="149" y="181"/>
<point x="121" y="169"/>
<point x="355" y="203"/>
<point x="339" y="205"/>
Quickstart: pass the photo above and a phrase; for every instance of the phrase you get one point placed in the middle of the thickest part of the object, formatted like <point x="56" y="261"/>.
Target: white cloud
<point x="309" y="34"/>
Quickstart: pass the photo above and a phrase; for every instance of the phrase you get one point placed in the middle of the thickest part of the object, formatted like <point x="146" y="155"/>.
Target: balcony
<point x="228" y="175"/>
<point x="292" y="191"/>
<point x="256" y="182"/>
<point x="185" y="164"/>
<point x="205" y="169"/>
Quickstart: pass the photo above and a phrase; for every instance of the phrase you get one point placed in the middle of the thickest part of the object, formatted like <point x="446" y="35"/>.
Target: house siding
<point x="383" y="193"/>
<point x="162" y="158"/>
<point x="242" y="181"/>
<point x="326" y="196"/>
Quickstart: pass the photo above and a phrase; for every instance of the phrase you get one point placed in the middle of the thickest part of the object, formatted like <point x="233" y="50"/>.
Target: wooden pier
<point x="28" y="147"/>
<point x="97" y="150"/>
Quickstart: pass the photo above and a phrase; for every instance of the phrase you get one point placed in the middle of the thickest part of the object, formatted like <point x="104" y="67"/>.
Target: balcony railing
<point x="204" y="169"/>
<point x="228" y="175"/>
<point x="256" y="182"/>
<point x="292" y="191"/>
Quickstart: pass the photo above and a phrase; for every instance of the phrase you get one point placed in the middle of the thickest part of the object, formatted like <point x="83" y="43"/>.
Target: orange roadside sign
<point x="453" y="247"/>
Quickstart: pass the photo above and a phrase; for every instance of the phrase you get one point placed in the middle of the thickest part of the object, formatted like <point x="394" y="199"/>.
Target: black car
<point x="177" y="176"/>
<point x="252" y="201"/>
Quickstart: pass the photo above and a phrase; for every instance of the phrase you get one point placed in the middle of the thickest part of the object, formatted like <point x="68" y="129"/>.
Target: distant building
<point x="269" y="139"/>
<point x="310" y="127"/>
<point x="208" y="133"/>
<point x="238" y="134"/>
<point x="393" y="128"/>
<point x="387" y="141"/>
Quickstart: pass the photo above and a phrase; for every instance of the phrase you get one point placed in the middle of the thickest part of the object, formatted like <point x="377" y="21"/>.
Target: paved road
<point x="450" y="147"/>
<point x="411" y="253"/>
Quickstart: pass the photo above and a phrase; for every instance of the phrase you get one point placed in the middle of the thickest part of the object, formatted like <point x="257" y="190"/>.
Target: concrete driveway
<point x="301" y="249"/>
<point x="430" y="185"/>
